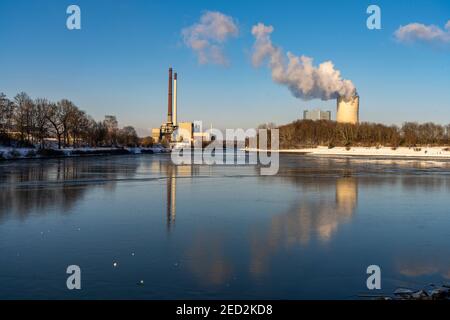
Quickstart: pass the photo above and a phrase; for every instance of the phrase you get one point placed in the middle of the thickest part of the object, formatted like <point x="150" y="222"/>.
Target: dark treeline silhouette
<point x="25" y="122"/>
<point x="308" y="133"/>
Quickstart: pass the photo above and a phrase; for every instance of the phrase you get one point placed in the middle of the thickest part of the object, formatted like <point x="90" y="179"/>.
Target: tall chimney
<point x="175" y="99"/>
<point x="169" y="108"/>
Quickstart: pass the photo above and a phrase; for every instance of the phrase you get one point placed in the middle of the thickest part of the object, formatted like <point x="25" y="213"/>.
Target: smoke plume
<point x="304" y="80"/>
<point x="206" y="37"/>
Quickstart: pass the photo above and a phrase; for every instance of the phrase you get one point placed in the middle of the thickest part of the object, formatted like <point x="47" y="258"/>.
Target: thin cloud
<point x="418" y="32"/>
<point x="207" y="37"/>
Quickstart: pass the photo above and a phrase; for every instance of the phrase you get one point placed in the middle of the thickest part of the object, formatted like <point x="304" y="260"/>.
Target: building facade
<point x="316" y="114"/>
<point x="185" y="131"/>
<point x="156" y="135"/>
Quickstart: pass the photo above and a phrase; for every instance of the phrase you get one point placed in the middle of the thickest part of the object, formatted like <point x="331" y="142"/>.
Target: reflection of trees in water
<point x="321" y="217"/>
<point x="327" y="198"/>
<point x="209" y="261"/>
<point x="39" y="186"/>
<point x="310" y="166"/>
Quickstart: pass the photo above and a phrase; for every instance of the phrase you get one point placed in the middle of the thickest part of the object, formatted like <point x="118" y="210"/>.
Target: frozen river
<point x="220" y="232"/>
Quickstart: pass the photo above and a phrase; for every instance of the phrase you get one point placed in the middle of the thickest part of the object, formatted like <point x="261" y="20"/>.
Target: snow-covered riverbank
<point x="400" y="152"/>
<point x="10" y="153"/>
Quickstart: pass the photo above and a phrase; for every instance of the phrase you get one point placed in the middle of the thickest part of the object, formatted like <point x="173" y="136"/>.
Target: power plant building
<point x="185" y="132"/>
<point x="156" y="135"/>
<point x="172" y="130"/>
<point x="348" y="110"/>
<point x="316" y="114"/>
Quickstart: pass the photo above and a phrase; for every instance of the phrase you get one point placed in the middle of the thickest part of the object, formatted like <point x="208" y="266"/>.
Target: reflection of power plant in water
<point x="172" y="172"/>
<point x="320" y="218"/>
<point x="171" y="204"/>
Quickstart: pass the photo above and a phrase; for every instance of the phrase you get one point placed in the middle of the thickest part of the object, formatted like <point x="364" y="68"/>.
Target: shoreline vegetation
<point x="372" y="140"/>
<point x="302" y="134"/>
<point x="38" y="128"/>
<point x="41" y="129"/>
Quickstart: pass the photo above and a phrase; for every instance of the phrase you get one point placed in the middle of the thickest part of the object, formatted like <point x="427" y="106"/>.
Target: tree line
<point x="37" y="122"/>
<point x="308" y="133"/>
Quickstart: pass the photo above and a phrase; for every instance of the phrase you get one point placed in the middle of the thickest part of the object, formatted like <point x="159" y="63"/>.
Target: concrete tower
<point x="348" y="110"/>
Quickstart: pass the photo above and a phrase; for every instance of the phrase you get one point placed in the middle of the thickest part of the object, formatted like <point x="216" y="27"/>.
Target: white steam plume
<point x="206" y="37"/>
<point x="304" y="80"/>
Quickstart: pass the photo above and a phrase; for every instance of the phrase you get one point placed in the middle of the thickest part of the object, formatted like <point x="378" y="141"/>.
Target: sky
<point x="117" y="62"/>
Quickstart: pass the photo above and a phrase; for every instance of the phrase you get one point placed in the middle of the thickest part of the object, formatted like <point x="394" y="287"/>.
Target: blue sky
<point x="117" y="63"/>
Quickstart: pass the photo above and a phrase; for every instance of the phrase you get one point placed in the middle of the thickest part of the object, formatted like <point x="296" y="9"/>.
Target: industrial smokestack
<point x="169" y="108"/>
<point x="175" y="99"/>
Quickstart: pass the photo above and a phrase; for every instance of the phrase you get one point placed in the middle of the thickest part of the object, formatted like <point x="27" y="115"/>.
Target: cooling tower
<point x="348" y="110"/>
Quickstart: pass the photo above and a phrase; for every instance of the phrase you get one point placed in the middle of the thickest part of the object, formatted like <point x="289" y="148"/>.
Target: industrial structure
<point x="348" y="109"/>
<point x="167" y="129"/>
<point x="316" y="114"/>
<point x="173" y="131"/>
<point x="186" y="132"/>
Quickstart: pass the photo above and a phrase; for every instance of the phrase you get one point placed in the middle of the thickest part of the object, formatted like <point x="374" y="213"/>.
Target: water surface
<point x="220" y="232"/>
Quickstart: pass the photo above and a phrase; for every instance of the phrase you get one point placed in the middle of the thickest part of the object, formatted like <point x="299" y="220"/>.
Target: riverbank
<point x="9" y="153"/>
<point x="400" y="152"/>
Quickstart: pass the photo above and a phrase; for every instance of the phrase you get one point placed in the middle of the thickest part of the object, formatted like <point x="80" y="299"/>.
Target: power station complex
<point x="347" y="111"/>
<point x="172" y="130"/>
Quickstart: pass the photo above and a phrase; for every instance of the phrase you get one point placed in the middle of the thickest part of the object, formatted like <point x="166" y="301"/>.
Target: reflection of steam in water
<point x="207" y="261"/>
<point x="307" y="219"/>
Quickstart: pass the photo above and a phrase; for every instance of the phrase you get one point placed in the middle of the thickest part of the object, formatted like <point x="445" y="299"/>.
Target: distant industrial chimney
<point x="348" y="110"/>
<point x="175" y="99"/>
<point x="169" y="108"/>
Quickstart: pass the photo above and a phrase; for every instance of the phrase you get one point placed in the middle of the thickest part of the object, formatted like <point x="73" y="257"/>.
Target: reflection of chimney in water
<point x="171" y="190"/>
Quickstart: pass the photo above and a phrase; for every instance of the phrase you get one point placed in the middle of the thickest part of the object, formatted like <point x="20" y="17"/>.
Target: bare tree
<point x="128" y="137"/>
<point x="23" y="116"/>
<point x="41" y="121"/>
<point x="56" y="127"/>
